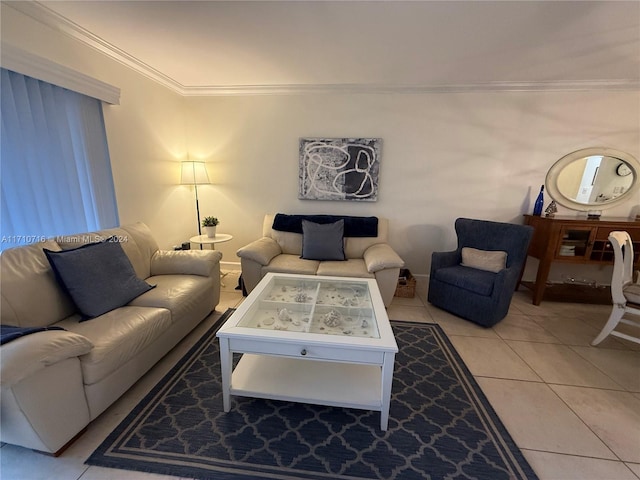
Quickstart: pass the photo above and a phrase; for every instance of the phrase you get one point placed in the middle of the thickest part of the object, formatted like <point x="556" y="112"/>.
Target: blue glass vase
<point x="537" y="207"/>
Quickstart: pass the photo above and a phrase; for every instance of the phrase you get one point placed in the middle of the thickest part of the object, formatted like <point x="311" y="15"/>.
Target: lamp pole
<point x="195" y="173"/>
<point x="198" y="212"/>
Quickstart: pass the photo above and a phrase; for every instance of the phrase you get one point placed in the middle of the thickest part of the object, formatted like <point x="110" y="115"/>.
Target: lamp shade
<point x="194" y="173"/>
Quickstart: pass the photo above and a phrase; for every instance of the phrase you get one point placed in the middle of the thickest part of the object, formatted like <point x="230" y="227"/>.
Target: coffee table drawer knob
<point x="303" y="351"/>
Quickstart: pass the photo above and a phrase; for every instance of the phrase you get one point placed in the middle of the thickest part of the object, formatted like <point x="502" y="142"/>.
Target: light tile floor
<point x="573" y="409"/>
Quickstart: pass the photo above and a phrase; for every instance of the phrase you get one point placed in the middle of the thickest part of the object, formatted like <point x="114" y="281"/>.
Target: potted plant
<point x="209" y="224"/>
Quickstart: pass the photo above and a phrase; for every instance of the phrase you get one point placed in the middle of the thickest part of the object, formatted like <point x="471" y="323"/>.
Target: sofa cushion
<point x="489" y="260"/>
<point x="355" y="247"/>
<point x="117" y="336"/>
<point x="471" y="279"/>
<point x="139" y="247"/>
<point x="291" y="264"/>
<point x="31" y="296"/>
<point x="185" y="296"/>
<point x="323" y="241"/>
<point x="98" y="276"/>
<point x="290" y="243"/>
<point x="135" y="239"/>
<point x="353" y="267"/>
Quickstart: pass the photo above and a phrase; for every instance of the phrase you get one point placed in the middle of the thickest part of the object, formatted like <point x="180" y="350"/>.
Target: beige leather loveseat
<point x="280" y="251"/>
<point x="53" y="383"/>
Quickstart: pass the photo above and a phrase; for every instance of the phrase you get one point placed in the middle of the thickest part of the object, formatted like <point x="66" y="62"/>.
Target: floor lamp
<point x="195" y="173"/>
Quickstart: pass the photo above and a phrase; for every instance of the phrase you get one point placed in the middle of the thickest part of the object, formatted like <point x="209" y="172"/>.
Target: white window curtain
<point x="55" y="169"/>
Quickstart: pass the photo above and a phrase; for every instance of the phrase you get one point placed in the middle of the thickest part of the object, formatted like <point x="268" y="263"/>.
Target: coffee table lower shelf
<point x="308" y="381"/>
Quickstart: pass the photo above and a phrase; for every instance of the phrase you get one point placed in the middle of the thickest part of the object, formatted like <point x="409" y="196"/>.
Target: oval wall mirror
<point x="593" y="179"/>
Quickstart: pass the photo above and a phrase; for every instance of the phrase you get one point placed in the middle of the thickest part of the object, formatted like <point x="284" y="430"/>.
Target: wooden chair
<point x="624" y="293"/>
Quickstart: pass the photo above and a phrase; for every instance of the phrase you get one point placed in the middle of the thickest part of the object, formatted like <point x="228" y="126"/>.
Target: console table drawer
<point x="310" y="352"/>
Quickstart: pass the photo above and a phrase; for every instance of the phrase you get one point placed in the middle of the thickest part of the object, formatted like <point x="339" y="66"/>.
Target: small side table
<point x="219" y="238"/>
<point x="204" y="240"/>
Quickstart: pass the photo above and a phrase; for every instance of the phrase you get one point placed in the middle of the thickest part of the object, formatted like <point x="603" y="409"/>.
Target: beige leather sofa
<point x="53" y="383"/>
<point x="279" y="251"/>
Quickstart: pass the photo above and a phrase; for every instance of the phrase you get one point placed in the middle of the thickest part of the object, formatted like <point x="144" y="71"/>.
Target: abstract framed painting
<point x="339" y="169"/>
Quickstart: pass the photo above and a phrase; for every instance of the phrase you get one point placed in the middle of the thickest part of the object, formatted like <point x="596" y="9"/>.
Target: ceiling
<point x="210" y="44"/>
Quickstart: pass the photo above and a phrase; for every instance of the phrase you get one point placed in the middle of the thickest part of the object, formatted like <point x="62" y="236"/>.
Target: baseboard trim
<point x="235" y="266"/>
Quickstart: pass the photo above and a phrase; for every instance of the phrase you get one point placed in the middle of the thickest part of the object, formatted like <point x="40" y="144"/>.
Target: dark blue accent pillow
<point x="98" y="277"/>
<point x="323" y="242"/>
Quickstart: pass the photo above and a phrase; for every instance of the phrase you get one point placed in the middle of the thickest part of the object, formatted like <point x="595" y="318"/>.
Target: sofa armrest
<point x="506" y="280"/>
<point x="260" y="251"/>
<point x="185" y="262"/>
<point x="380" y="257"/>
<point x="26" y="355"/>
<point x="444" y="259"/>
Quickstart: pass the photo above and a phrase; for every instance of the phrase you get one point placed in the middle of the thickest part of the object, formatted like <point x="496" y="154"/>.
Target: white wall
<point x="444" y="155"/>
<point x="481" y="155"/>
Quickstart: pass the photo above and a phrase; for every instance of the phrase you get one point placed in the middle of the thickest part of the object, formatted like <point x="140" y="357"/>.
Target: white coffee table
<point x="311" y="339"/>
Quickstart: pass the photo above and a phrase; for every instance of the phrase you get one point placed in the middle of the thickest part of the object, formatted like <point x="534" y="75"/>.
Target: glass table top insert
<point x="333" y="307"/>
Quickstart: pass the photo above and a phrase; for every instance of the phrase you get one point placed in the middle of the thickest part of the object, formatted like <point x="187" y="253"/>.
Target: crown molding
<point x="43" y="14"/>
<point x="46" y="16"/>
<point x="18" y="60"/>
<point x="291" y="89"/>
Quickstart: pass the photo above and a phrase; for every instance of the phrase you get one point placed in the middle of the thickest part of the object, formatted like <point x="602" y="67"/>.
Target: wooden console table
<point x="573" y="240"/>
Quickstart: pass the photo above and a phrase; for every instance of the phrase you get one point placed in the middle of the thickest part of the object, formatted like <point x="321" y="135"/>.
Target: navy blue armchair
<point x="476" y="294"/>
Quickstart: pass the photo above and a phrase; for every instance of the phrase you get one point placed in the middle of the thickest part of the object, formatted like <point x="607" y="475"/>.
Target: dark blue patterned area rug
<point x="441" y="425"/>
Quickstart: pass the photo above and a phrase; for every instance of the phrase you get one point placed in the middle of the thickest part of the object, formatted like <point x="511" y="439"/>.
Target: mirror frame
<point x="553" y="173"/>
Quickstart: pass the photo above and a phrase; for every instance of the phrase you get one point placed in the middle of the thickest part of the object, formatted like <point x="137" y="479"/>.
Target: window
<point x="55" y="169"/>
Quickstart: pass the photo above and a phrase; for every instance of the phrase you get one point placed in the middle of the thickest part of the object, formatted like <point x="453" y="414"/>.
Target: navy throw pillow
<point x="323" y="241"/>
<point x="98" y="277"/>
